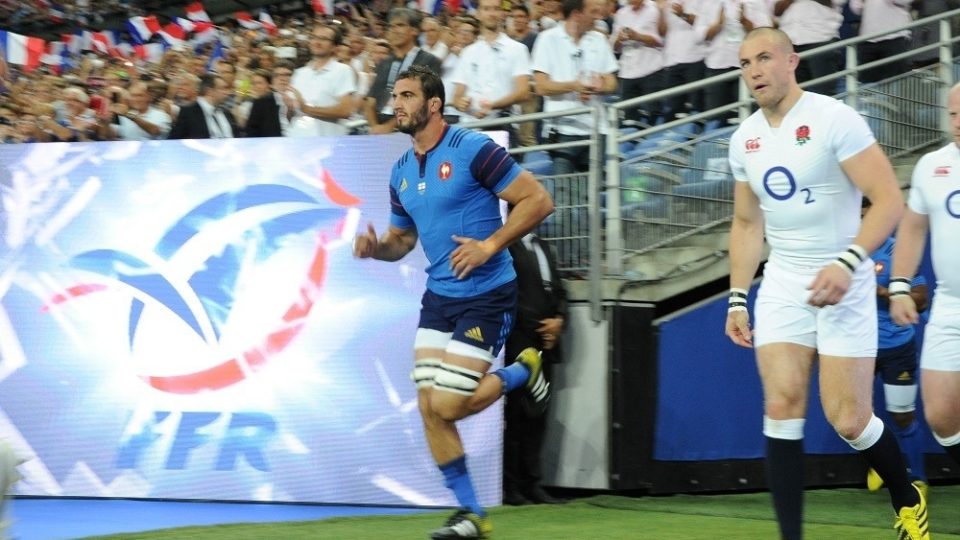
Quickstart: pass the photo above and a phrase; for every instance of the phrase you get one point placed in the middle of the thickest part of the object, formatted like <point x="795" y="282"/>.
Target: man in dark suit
<point x="204" y="119"/>
<point x="402" y="32"/>
<point x="541" y="313"/>
<point x="265" y="111"/>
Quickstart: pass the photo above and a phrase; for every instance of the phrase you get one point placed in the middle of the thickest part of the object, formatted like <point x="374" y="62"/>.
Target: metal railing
<point x="639" y="197"/>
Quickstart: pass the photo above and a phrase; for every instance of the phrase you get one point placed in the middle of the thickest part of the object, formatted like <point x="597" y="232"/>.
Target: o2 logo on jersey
<point x="780" y="184"/>
<point x="953" y="204"/>
<point x="753" y="145"/>
<point x="227" y="287"/>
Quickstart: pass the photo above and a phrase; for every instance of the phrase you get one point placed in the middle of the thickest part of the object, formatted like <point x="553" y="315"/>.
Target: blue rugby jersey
<point x="891" y="335"/>
<point x="452" y="190"/>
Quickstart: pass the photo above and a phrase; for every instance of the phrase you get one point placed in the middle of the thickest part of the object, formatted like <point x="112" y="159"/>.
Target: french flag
<point x="267" y="22"/>
<point x="246" y="20"/>
<point x="74" y="43"/>
<point x="22" y="50"/>
<point x="151" y="52"/>
<point x="435" y="7"/>
<point x="54" y="56"/>
<point x="204" y="31"/>
<point x="173" y="34"/>
<point x="322" y="7"/>
<point x="195" y="12"/>
<point x="143" y="28"/>
<point x="57" y="14"/>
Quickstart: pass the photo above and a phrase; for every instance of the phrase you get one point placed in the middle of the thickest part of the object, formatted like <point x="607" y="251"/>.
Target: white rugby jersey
<point x="936" y="193"/>
<point x="811" y="209"/>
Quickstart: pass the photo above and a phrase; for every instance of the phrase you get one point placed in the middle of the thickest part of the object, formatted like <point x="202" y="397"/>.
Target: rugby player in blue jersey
<point x="897" y="367"/>
<point x="446" y="192"/>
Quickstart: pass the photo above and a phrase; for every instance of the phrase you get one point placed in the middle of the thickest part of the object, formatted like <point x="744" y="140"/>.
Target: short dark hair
<point x="410" y="16"/>
<point x="431" y="82"/>
<point x="569" y="6"/>
<point x="209" y="82"/>
<point x="520" y="7"/>
<point x="263" y="73"/>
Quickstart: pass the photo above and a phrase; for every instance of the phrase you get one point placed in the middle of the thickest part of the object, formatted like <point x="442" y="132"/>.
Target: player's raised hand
<point x="470" y="254"/>
<point x="903" y="310"/>
<point x="738" y="328"/>
<point x="829" y="286"/>
<point x="365" y="245"/>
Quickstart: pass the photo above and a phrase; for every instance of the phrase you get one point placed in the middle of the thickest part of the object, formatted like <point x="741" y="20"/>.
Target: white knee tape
<point x="900" y="398"/>
<point x="788" y="430"/>
<point x="425" y="371"/>
<point x="870" y="435"/>
<point x="456" y="379"/>
<point x="953" y="440"/>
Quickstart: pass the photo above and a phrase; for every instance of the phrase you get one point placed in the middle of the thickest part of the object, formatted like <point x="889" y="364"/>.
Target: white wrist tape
<point x="850" y="259"/>
<point x="899" y="286"/>
<point x="738" y="299"/>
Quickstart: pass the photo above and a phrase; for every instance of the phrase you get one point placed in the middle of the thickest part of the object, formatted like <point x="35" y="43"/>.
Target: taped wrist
<point x="738" y="300"/>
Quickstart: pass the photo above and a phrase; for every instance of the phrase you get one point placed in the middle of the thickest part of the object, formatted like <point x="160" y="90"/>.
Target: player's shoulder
<point x="404" y="160"/>
<point x="595" y="38"/>
<point x="940" y="160"/>
<point x="748" y="127"/>
<point x="821" y="107"/>
<point x="460" y="137"/>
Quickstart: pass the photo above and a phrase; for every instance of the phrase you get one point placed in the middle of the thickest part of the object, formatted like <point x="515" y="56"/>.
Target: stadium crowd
<point x="320" y="72"/>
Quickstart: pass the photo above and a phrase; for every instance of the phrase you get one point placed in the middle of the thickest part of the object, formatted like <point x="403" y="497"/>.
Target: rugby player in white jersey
<point x="802" y="163"/>
<point x="934" y="205"/>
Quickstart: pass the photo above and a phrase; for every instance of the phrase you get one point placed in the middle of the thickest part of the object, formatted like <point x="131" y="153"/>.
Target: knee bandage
<point x="788" y="430"/>
<point x="425" y="371"/>
<point x="456" y="379"/>
<point x="900" y="398"/>
<point x="945" y="442"/>
<point x="869" y="436"/>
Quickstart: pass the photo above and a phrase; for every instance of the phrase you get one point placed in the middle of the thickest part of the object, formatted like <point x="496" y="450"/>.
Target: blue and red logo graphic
<point x="194" y="271"/>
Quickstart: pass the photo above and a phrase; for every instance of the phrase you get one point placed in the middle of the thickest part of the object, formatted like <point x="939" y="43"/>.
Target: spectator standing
<point x="404" y="26"/>
<point x="637" y="34"/>
<point x="133" y="118"/>
<point x="878" y="16"/>
<point x="493" y="73"/>
<point x="541" y="314"/>
<point x="325" y="87"/>
<point x="811" y="24"/>
<point x="723" y="27"/>
<point x="205" y="118"/>
<point x="683" y="54"/>
<point x="572" y="64"/>
<point x="432" y="43"/>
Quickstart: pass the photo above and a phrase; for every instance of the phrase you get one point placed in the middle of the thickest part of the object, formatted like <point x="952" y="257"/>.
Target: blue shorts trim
<point x="898" y="365"/>
<point x="483" y="321"/>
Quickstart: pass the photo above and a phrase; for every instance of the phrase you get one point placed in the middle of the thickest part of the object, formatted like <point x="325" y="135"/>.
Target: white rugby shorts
<point x="941" y="336"/>
<point x="847" y="329"/>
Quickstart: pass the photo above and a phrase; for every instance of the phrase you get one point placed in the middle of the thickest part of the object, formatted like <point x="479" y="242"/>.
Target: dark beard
<point x="417" y="121"/>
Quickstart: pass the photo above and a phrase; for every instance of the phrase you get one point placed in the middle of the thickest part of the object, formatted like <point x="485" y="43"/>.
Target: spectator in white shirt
<point x="134" y="119"/>
<point x="878" y="16"/>
<point x="572" y="64"/>
<point x="326" y="87"/>
<point x="723" y="26"/>
<point x="811" y="24"/>
<point x="431" y="29"/>
<point x="683" y="53"/>
<point x="637" y="34"/>
<point x="493" y="73"/>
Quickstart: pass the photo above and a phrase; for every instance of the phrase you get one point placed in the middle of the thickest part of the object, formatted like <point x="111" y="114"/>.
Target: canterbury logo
<point x="475" y="334"/>
<point x="905" y="376"/>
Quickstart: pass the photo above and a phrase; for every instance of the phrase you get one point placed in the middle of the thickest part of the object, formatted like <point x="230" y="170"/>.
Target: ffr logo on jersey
<point x="753" y="145"/>
<point x="942" y="171"/>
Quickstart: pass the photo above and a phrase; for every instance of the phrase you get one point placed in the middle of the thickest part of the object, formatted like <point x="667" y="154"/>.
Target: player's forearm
<point x="547" y="87"/>
<point x="879" y="221"/>
<point x="908" y="248"/>
<point x="525" y="216"/>
<point x="746" y="249"/>
<point x="393" y="247"/>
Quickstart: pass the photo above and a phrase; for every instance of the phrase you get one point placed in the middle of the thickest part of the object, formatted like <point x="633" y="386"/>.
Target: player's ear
<point x="434" y="104"/>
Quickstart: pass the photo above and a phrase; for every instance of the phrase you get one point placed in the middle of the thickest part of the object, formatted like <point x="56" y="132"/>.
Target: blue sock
<point x="457" y="478"/>
<point x="911" y="445"/>
<point x="514" y="376"/>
